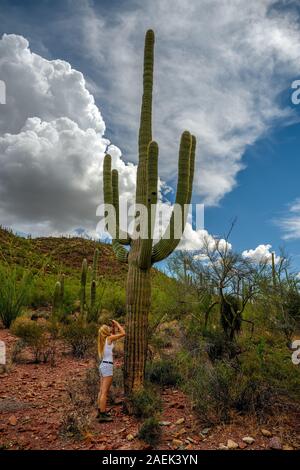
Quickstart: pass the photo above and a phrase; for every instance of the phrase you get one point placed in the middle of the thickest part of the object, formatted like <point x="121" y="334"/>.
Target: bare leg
<point x="99" y="394"/>
<point x="105" y="386"/>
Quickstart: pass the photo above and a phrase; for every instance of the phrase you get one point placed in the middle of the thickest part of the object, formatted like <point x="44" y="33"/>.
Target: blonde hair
<point x="103" y="333"/>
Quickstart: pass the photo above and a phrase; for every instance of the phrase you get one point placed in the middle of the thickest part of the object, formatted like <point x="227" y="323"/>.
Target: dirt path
<point x="34" y="400"/>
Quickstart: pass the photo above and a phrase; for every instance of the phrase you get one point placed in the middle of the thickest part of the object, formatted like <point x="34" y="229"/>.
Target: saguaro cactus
<point x="143" y="253"/>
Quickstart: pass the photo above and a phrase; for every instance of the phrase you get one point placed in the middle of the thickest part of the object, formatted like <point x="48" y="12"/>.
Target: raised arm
<point x="119" y="335"/>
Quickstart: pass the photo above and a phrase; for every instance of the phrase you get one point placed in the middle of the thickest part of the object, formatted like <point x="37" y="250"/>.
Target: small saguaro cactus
<point x="89" y="309"/>
<point x="143" y="252"/>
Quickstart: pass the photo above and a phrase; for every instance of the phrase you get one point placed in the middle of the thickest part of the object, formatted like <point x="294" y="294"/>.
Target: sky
<point x="223" y="70"/>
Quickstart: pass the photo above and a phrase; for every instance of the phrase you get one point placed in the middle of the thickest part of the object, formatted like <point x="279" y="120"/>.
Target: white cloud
<point x="261" y="253"/>
<point x="290" y="224"/>
<point x="219" y="70"/>
<point x="196" y="239"/>
<point x="49" y="89"/>
<point x="51" y="145"/>
<point x="51" y="173"/>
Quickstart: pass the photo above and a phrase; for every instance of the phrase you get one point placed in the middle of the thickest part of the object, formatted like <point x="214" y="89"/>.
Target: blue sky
<point x="226" y="74"/>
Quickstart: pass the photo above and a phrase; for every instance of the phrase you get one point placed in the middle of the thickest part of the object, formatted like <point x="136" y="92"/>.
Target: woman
<point x="106" y="339"/>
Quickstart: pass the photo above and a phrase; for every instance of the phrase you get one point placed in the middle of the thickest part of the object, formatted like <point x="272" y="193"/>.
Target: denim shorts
<point x="106" y="369"/>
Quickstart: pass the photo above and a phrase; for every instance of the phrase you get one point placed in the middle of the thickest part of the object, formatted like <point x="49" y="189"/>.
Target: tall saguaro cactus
<point x="143" y="253"/>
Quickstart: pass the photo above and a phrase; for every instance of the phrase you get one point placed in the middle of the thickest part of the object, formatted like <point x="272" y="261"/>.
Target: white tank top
<point x="108" y="352"/>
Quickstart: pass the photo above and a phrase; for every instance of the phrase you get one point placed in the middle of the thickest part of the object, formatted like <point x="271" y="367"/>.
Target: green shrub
<point x="15" y="286"/>
<point x="163" y="372"/>
<point x="145" y="403"/>
<point x="113" y="299"/>
<point x="261" y="378"/>
<point x="217" y="346"/>
<point x="81" y="336"/>
<point x="34" y="335"/>
<point x="75" y="422"/>
<point x="210" y="390"/>
<point x="150" y="431"/>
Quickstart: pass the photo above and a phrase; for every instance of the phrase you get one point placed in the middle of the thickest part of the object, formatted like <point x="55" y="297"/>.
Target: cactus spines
<point x="83" y="285"/>
<point x="143" y="253"/>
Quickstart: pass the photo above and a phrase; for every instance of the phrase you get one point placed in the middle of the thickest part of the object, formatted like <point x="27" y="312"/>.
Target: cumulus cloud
<point x="49" y="89"/>
<point x="261" y="253"/>
<point x="51" y="145"/>
<point x="195" y="240"/>
<point x="220" y="68"/>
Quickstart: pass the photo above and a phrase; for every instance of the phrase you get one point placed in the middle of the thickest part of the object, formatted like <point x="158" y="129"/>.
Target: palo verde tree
<point x="223" y="277"/>
<point x="143" y="252"/>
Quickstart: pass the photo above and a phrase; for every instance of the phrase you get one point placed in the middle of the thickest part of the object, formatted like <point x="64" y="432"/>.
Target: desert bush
<point x="76" y="420"/>
<point x="15" y="286"/>
<point x="210" y="390"/>
<point x="150" y="431"/>
<point x="80" y="335"/>
<point x="40" y="294"/>
<point x="35" y="335"/>
<point x="257" y="382"/>
<point x="217" y="345"/>
<point x="271" y="370"/>
<point x="113" y="299"/>
<point x="145" y="403"/>
<point x="17" y="349"/>
<point x="163" y="372"/>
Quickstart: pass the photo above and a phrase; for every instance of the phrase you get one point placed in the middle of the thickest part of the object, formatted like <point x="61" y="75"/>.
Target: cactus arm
<point x="192" y="169"/>
<point x="107" y="180"/>
<point x="145" y="131"/>
<point x="120" y="252"/>
<point x="168" y="243"/>
<point x="144" y="260"/>
<point x="122" y="237"/>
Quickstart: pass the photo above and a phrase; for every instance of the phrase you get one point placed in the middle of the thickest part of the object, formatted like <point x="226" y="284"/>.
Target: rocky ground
<point x="35" y="406"/>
